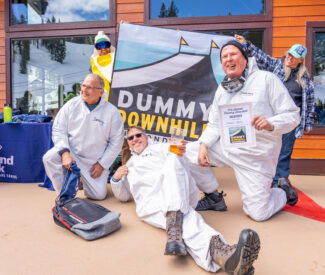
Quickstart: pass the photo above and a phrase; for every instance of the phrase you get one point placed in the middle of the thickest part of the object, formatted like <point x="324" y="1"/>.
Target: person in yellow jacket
<point x="102" y="60"/>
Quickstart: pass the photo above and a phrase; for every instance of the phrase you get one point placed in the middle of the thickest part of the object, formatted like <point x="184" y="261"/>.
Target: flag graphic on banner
<point x="166" y="78"/>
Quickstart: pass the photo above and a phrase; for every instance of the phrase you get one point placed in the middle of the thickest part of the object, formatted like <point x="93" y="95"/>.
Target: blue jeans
<point x="283" y="168"/>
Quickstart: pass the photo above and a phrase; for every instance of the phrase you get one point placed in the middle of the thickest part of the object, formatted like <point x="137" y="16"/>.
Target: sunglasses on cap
<point x="136" y="135"/>
<point x="102" y="45"/>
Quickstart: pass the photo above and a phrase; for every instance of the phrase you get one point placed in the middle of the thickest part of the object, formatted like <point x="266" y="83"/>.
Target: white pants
<point x="204" y="177"/>
<point x="95" y="189"/>
<point x="179" y="192"/>
<point x="260" y="202"/>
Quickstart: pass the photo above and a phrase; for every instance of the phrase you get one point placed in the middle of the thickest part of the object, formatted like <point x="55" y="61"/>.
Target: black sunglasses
<point x="136" y="135"/>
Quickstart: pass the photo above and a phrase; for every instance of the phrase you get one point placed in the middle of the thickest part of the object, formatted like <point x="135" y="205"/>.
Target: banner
<point x="166" y="78"/>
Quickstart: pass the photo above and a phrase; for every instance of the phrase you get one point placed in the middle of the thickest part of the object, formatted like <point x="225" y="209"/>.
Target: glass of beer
<point x="176" y="136"/>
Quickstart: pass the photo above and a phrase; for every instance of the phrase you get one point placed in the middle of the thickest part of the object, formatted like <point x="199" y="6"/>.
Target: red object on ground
<point x="306" y="207"/>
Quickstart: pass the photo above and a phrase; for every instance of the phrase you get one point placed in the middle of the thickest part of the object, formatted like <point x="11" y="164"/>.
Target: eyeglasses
<point x="136" y="135"/>
<point x="89" y="87"/>
<point x="102" y="45"/>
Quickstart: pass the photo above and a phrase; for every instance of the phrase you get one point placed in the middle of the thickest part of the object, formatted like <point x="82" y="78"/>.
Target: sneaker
<point x="291" y="193"/>
<point x="236" y="259"/>
<point x="213" y="201"/>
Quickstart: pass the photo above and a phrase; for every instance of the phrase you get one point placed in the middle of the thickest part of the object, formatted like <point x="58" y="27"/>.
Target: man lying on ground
<point x="165" y="194"/>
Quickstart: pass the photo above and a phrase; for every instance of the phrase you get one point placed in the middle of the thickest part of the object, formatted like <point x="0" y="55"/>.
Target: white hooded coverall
<point x="91" y="136"/>
<point x="254" y="167"/>
<point x="160" y="181"/>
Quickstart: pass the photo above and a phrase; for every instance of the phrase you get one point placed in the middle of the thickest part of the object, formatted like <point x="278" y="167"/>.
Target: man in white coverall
<point x="274" y="113"/>
<point x="165" y="193"/>
<point x="88" y="130"/>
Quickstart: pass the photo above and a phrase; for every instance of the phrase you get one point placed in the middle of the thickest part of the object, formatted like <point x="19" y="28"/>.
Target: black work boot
<point x="212" y="201"/>
<point x="236" y="259"/>
<point x="175" y="244"/>
<point x="291" y="193"/>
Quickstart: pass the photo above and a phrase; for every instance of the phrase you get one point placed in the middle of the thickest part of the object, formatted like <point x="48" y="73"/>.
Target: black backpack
<point x="86" y="219"/>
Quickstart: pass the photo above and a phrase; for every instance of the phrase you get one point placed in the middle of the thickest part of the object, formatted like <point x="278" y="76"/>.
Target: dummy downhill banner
<point x="166" y="78"/>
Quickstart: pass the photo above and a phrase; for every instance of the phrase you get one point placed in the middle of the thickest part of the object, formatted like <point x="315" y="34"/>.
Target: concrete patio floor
<point x="31" y="244"/>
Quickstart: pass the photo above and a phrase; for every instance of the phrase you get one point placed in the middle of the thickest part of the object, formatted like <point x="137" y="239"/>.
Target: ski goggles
<point x="136" y="135"/>
<point x="102" y="45"/>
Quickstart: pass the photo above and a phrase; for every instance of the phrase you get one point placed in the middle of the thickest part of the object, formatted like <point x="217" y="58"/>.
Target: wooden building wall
<point x="131" y="11"/>
<point x="289" y="27"/>
<point x="289" y="22"/>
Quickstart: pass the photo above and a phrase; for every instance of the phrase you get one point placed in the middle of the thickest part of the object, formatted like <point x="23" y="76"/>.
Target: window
<point x="253" y="18"/>
<point x="48" y="48"/>
<point x="194" y="8"/>
<point x="48" y="72"/>
<point x="52" y="11"/>
<point x="255" y="36"/>
<point x="319" y="77"/>
<point x="316" y="66"/>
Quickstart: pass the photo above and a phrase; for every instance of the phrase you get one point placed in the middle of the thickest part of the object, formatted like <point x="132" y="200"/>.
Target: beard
<point x="138" y="148"/>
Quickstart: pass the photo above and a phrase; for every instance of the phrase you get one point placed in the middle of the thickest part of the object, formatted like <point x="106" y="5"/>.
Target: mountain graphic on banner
<point x="175" y="91"/>
<point x="162" y="69"/>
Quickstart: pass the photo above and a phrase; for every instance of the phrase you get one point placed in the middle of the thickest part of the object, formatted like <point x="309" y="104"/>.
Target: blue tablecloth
<point x="22" y="146"/>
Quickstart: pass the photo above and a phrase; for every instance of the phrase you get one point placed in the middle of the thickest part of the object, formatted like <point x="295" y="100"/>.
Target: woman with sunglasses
<point x="102" y="60"/>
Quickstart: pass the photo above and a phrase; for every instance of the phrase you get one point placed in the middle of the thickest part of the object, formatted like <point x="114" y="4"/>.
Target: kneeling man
<point x="88" y="130"/>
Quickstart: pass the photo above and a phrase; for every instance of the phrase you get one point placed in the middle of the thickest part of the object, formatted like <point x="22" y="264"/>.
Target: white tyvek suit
<point x="254" y="166"/>
<point x="90" y="136"/>
<point x="160" y="181"/>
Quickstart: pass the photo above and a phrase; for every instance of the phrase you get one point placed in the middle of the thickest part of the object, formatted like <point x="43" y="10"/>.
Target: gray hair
<point x="301" y="71"/>
<point x="100" y="80"/>
<point x="136" y="127"/>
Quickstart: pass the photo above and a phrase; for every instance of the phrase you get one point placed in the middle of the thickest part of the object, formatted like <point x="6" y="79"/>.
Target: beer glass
<point x="176" y="136"/>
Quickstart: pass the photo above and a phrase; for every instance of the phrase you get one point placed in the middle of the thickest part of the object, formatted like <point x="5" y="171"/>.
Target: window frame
<point x="55" y="30"/>
<point x="61" y="26"/>
<point x="311" y="28"/>
<point x="210" y="23"/>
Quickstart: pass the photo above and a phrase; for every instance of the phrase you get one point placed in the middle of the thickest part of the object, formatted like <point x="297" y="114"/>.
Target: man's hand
<point x="203" y="158"/>
<point x="67" y="159"/>
<point x="96" y="171"/>
<point x="182" y="147"/>
<point x="121" y="172"/>
<point x="307" y="131"/>
<point x="261" y="123"/>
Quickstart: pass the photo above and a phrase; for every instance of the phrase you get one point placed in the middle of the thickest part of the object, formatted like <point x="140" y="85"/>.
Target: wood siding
<point x="131" y="11"/>
<point x="289" y="22"/>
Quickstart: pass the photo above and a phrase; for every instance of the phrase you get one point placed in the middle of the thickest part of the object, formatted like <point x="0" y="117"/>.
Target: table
<point x="22" y="146"/>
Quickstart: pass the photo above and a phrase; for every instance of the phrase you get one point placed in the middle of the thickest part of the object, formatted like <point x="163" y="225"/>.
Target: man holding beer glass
<point x="165" y="194"/>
